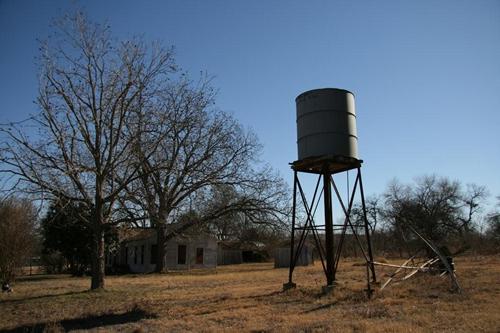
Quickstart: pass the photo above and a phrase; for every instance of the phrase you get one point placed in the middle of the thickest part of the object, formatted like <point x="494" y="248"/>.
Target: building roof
<point x="128" y="234"/>
<point x="133" y="234"/>
<point x="241" y="245"/>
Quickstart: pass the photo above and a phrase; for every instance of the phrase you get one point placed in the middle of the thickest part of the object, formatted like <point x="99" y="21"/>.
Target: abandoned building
<point x="138" y="251"/>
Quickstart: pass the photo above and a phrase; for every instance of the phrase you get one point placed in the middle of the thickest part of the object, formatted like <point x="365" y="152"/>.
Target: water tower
<point x="327" y="145"/>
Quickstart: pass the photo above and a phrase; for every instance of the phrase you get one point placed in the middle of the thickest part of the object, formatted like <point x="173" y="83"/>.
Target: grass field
<point x="249" y="297"/>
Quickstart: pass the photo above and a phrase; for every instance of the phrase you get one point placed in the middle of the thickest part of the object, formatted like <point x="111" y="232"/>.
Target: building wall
<point x="208" y="245"/>
<point x="137" y="254"/>
<point x="134" y="261"/>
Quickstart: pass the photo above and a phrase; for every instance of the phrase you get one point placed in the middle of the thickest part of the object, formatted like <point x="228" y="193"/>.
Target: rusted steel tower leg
<point x="290" y="283"/>
<point x="329" y="246"/>
<point x="367" y="231"/>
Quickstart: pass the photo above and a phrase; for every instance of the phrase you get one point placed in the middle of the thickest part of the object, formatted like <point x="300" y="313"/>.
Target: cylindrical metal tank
<point x="326" y="123"/>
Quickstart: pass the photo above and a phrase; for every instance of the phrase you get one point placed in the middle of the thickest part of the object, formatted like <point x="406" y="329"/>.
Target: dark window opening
<point x="135" y="255"/>
<point x="181" y="255"/>
<point x="142" y="254"/>
<point x="199" y="255"/>
<point x="154" y="254"/>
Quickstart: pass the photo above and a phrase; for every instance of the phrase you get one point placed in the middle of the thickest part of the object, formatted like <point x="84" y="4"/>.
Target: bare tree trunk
<point x="98" y="262"/>
<point x="161" y="251"/>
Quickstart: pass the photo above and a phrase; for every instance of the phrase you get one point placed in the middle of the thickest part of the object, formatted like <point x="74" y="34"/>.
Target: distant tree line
<point x="442" y="210"/>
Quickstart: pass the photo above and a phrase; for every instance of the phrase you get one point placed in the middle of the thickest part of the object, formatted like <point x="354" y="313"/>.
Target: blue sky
<point x="426" y="74"/>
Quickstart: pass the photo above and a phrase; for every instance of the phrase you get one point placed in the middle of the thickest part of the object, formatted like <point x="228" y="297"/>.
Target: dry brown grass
<point x="249" y="298"/>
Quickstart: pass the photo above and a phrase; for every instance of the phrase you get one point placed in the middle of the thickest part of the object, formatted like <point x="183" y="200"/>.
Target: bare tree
<point x="262" y="207"/>
<point x="471" y="202"/>
<point x="91" y="90"/>
<point x="17" y="236"/>
<point x="493" y="226"/>
<point x="373" y="212"/>
<point x="435" y="206"/>
<point x="199" y="149"/>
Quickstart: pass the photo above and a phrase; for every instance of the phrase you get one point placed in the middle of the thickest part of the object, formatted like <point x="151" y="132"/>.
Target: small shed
<point x="282" y="256"/>
<point x="229" y="253"/>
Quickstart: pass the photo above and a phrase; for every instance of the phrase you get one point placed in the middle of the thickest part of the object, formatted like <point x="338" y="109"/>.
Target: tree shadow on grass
<point x="321" y="307"/>
<point x="42" y="277"/>
<point x="88" y="322"/>
<point x="267" y="295"/>
<point x="22" y="300"/>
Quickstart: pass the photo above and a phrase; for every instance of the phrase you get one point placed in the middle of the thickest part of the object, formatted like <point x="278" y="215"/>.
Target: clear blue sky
<point x="426" y="74"/>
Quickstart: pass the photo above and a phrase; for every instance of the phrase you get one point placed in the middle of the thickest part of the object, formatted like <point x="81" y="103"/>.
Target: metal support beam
<point x="367" y="231"/>
<point x="329" y="246"/>
<point x="292" y="238"/>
